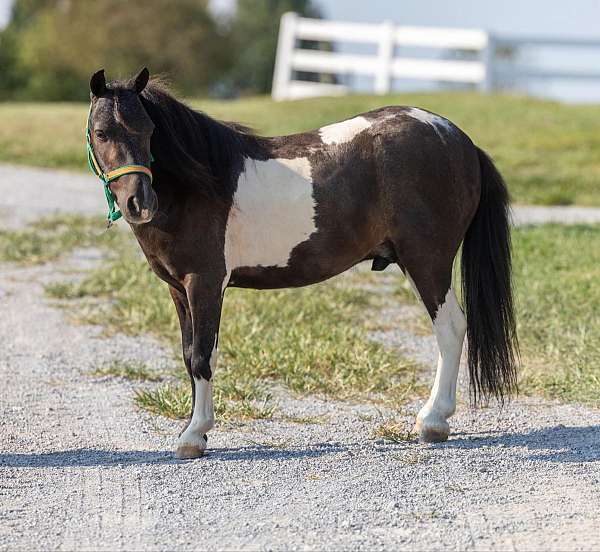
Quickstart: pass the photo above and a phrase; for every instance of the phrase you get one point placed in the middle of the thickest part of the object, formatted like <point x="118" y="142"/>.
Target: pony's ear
<point x="98" y="83"/>
<point x="141" y="80"/>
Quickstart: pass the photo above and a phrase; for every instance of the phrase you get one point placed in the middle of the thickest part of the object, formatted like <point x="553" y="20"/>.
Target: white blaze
<point x="339" y="133"/>
<point x="273" y="211"/>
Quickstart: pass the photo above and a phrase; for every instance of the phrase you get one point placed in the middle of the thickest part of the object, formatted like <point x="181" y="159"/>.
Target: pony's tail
<point x="487" y="290"/>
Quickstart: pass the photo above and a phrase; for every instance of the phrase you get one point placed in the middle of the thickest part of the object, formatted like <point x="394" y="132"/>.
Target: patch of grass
<point x="305" y="420"/>
<point x="394" y="432"/>
<point x="52" y="237"/>
<point x="548" y="152"/>
<point x="557" y="272"/>
<point x="310" y="339"/>
<point x="60" y="290"/>
<point x="171" y="401"/>
<point x="313" y="340"/>
<point x="130" y="370"/>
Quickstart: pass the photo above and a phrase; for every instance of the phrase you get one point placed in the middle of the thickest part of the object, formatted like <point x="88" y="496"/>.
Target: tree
<point x="61" y="42"/>
<point x="253" y="33"/>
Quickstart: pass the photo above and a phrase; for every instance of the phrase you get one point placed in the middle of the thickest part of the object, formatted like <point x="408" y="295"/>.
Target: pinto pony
<point x="213" y="205"/>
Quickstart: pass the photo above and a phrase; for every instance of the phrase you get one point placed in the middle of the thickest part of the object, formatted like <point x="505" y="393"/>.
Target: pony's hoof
<point x="432" y="433"/>
<point x="186" y="452"/>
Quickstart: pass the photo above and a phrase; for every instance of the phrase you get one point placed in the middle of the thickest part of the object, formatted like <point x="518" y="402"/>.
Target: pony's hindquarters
<point x="473" y="210"/>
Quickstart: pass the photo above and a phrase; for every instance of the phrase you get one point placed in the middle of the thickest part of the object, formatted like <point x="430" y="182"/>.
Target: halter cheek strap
<point x="113" y="213"/>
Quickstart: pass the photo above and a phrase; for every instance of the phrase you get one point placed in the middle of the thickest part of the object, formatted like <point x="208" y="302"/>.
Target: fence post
<point x="385" y="53"/>
<point x="488" y="58"/>
<point x="286" y="43"/>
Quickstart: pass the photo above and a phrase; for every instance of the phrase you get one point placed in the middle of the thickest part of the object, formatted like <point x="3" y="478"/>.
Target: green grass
<point x="52" y="237"/>
<point x="310" y="339"/>
<point x="175" y="401"/>
<point x="557" y="272"/>
<point x="548" y="152"/>
<point x="313" y="340"/>
<point x="129" y="370"/>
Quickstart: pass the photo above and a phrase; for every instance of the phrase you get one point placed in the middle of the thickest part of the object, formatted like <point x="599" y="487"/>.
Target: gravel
<point x="82" y="468"/>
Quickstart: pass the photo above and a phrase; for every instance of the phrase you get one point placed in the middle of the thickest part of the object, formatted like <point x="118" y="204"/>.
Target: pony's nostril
<point x="133" y="206"/>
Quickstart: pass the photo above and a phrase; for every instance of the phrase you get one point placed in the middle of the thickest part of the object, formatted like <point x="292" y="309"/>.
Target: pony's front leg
<point x="205" y="300"/>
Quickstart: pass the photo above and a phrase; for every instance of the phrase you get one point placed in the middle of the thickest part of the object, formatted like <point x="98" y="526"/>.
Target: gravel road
<point x="81" y="468"/>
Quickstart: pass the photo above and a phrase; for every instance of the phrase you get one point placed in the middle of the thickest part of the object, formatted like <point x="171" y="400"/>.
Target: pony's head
<point x="119" y="135"/>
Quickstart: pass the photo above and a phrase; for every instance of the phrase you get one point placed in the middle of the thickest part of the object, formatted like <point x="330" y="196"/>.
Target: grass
<point x="548" y="152"/>
<point x="313" y="340"/>
<point x="175" y="401"/>
<point x="393" y="432"/>
<point x="129" y="370"/>
<point x="557" y="272"/>
<point x="52" y="237"/>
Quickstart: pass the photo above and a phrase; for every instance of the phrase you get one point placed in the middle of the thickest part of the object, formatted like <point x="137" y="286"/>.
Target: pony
<point x="214" y="205"/>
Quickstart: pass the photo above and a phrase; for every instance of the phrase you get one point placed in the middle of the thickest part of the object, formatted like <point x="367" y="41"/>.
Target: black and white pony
<point x="229" y="208"/>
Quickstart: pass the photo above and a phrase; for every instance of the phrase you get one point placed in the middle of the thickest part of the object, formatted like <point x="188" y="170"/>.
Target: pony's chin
<point x="145" y="217"/>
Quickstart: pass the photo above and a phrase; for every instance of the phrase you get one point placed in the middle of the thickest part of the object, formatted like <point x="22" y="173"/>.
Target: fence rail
<point x="385" y="66"/>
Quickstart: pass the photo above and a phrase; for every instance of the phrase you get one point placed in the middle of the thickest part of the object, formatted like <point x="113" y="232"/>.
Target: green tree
<point x="253" y="32"/>
<point x="61" y="42"/>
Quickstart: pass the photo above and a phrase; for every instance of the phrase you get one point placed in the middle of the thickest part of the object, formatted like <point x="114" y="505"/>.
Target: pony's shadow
<point x="93" y="457"/>
<point x="551" y="444"/>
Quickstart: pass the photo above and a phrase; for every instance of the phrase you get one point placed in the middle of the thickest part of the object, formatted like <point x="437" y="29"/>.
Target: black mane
<point x="194" y="148"/>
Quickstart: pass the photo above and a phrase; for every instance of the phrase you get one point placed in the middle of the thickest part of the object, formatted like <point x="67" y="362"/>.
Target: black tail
<point x="487" y="290"/>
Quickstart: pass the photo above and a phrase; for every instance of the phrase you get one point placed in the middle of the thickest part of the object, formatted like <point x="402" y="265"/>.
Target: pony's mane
<point x="194" y="148"/>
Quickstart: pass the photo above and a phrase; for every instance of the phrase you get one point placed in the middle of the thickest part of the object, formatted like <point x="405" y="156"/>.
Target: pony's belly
<point x="272" y="277"/>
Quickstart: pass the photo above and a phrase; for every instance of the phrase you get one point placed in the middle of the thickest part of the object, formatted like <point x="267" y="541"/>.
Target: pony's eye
<point x="101" y="135"/>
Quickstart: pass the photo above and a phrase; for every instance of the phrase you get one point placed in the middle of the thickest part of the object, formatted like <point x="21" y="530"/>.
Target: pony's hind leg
<point x="449" y="327"/>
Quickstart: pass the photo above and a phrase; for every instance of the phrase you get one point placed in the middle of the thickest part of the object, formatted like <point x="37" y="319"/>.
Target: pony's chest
<point x="273" y="211"/>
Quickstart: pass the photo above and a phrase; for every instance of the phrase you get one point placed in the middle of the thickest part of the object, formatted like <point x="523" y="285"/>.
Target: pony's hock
<point x="394" y="185"/>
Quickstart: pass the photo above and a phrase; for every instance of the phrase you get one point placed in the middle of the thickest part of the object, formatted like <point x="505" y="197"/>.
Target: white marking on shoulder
<point x="438" y="123"/>
<point x="273" y="211"/>
<point x="339" y="133"/>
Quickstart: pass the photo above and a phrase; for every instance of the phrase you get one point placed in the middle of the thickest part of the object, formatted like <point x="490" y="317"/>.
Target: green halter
<point x="113" y="213"/>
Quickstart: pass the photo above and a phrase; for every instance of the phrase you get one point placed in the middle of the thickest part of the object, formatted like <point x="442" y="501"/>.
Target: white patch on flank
<point x="273" y="211"/>
<point x="339" y="133"/>
<point x="449" y="327"/>
<point x="203" y="418"/>
<point x="438" y="123"/>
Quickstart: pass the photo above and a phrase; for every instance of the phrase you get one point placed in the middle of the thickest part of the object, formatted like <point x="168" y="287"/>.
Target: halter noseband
<point x="108" y="177"/>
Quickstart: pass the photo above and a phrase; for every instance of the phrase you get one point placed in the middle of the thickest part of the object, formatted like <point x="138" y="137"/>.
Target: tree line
<point x="50" y="47"/>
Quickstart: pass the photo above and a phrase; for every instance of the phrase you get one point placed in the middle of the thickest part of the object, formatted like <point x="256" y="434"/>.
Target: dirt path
<point x="81" y="468"/>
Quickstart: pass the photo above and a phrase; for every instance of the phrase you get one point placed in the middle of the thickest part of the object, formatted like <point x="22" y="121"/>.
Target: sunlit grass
<point x="557" y="272"/>
<point x="129" y="370"/>
<point x="394" y="431"/>
<point x="548" y="152"/>
<point x="313" y="340"/>
<point x="49" y="238"/>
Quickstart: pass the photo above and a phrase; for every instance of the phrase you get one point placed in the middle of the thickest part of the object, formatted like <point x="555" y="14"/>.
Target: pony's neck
<point x="198" y="150"/>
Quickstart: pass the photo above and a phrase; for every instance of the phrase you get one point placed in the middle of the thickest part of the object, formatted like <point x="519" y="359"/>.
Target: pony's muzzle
<point x="141" y="206"/>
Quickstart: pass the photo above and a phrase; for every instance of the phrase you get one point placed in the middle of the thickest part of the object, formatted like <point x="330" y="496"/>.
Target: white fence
<point x="385" y="66"/>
